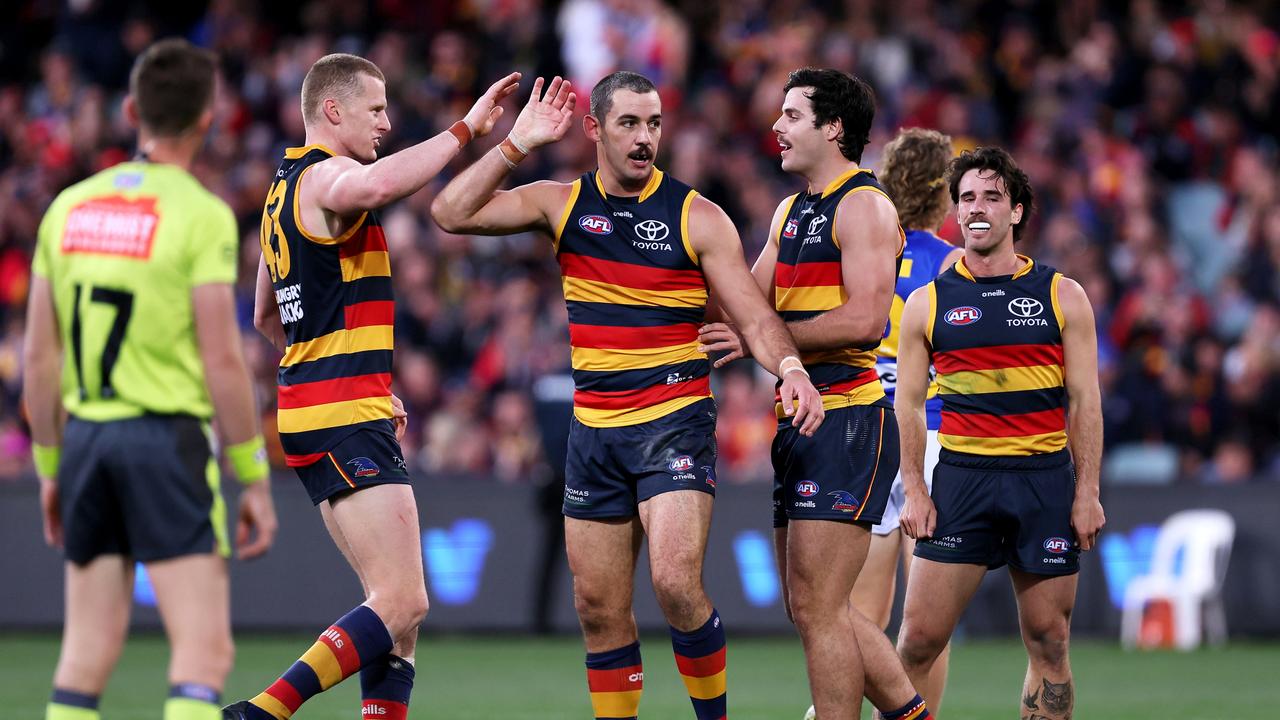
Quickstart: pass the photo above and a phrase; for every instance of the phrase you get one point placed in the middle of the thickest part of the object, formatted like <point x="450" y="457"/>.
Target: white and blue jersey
<point x="921" y="262"/>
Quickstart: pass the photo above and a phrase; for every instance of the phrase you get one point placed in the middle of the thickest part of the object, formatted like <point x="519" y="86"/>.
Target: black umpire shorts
<point x="146" y="488"/>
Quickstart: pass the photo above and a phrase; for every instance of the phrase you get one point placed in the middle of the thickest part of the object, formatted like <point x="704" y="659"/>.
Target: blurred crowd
<point x="1149" y="130"/>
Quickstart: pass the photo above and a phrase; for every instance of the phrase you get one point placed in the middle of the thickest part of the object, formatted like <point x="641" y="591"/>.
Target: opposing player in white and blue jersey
<point x="911" y="171"/>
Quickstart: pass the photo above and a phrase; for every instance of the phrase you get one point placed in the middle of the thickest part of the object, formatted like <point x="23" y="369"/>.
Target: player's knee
<point x="679" y="599"/>
<point x="597" y="610"/>
<point x="413" y="606"/>
<point x="806" y="613"/>
<point x="917" y="647"/>
<point x="207" y="660"/>
<point x="1047" y="643"/>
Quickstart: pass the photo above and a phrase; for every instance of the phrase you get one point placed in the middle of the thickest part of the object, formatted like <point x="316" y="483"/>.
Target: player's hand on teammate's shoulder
<point x="1087" y="519"/>
<point x="802" y="401"/>
<point x="722" y="337"/>
<point x="257" y="519"/>
<point x="51" y="508"/>
<point x="919" y="516"/>
<point x="485" y="113"/>
<point x="547" y="116"/>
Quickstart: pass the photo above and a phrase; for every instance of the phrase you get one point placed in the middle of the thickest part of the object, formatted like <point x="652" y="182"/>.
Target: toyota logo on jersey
<point x="652" y="230"/>
<point x="1025" y="307"/>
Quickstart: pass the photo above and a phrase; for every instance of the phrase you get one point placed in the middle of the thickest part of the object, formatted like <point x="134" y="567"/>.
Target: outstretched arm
<point x="472" y="203"/>
<point x="867" y="227"/>
<point x="344" y="187"/>
<point x="719" y="250"/>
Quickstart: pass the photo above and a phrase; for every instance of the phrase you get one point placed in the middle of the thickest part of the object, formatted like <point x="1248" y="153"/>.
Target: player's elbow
<point x="864" y="331"/>
<point x="443" y="212"/>
<point x="264" y="318"/>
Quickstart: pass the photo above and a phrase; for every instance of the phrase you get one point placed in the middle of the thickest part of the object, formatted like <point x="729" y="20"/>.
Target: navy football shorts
<point x="610" y="471"/>
<point x="844" y="472"/>
<point x="146" y="488"/>
<point x="997" y="510"/>
<point x="367" y="457"/>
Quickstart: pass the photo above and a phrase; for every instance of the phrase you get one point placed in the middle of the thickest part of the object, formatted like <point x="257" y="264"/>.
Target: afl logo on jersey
<point x="793" y="227"/>
<point x="964" y="315"/>
<point x="597" y="224"/>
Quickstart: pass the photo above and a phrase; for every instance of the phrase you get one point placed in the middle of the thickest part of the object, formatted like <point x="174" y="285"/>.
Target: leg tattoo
<point x="1057" y="696"/>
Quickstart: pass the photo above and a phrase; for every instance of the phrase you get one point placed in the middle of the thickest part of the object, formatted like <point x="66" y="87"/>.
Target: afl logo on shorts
<point x="806" y="488"/>
<point x="597" y="224"/>
<point x="683" y="463"/>
<point x="964" y="315"/>
<point x="1057" y="545"/>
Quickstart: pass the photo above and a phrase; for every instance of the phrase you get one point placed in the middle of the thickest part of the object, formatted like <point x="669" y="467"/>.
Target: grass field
<point x="461" y="678"/>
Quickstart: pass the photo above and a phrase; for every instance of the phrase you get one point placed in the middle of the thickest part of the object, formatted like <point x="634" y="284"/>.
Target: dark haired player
<point x="639" y="251"/>
<point x="131" y="304"/>
<point x="830" y="266"/>
<point x="1017" y="479"/>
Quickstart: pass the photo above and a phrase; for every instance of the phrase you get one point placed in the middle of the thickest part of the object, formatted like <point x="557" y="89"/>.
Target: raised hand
<point x="486" y="111"/>
<point x="545" y="118"/>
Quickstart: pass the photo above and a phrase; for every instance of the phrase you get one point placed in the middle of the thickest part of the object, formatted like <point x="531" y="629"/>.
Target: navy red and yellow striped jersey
<point x="808" y="282"/>
<point x="335" y="300"/>
<point x="997" y="347"/>
<point x="636" y="296"/>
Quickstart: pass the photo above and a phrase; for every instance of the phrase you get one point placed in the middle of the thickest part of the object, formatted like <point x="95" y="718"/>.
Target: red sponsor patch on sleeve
<point x="111" y="225"/>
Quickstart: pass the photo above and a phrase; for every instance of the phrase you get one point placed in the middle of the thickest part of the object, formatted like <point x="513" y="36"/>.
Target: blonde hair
<point x="914" y="166"/>
<point x="334" y="76"/>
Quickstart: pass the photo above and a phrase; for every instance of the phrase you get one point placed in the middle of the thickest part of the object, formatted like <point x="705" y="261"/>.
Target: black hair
<point x="1000" y="163"/>
<point x="839" y="96"/>
<point x="602" y="93"/>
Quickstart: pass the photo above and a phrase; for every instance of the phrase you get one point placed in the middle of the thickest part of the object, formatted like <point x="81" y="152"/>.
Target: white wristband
<point x="798" y="367"/>
<point x="518" y="143"/>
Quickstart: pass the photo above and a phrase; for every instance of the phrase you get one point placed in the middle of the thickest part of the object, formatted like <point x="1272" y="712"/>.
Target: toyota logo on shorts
<point x="1025" y="307"/>
<point x="652" y="230"/>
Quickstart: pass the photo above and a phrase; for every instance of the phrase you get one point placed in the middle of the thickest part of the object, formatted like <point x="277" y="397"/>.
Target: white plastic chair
<point x="1204" y="538"/>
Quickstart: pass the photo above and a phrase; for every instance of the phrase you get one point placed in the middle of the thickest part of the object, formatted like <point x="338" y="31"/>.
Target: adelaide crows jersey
<point x="335" y="300"/>
<point x="636" y="296"/>
<point x="809" y="282"/>
<point x="997" y="347"/>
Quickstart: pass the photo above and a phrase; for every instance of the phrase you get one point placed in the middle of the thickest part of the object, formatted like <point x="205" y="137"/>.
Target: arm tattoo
<point x="1057" y="696"/>
<point x="1030" y="700"/>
